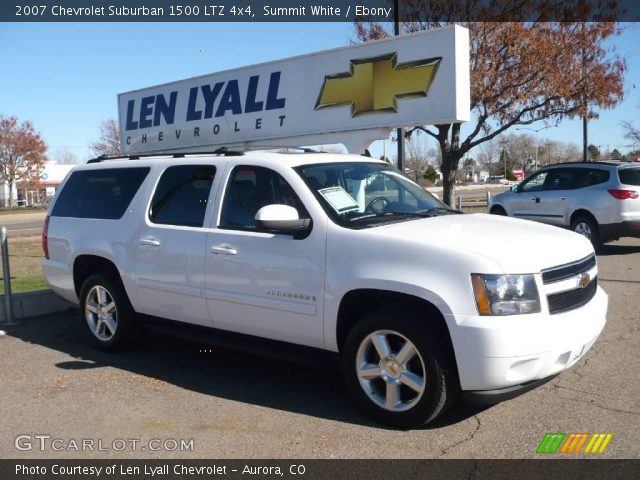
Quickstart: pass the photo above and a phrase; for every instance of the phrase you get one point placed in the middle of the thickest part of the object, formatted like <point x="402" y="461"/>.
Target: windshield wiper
<point x="422" y="214"/>
<point x="440" y="209"/>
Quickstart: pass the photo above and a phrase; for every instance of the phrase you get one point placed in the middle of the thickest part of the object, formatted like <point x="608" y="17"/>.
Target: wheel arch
<point x="582" y="212"/>
<point x="85" y="265"/>
<point x="357" y="302"/>
<point x="496" y="206"/>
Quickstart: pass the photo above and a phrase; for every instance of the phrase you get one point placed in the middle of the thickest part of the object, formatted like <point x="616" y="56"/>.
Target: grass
<point x="25" y="260"/>
<point x="9" y="211"/>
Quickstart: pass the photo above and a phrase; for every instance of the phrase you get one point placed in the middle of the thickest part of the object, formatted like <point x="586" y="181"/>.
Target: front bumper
<point x="495" y="353"/>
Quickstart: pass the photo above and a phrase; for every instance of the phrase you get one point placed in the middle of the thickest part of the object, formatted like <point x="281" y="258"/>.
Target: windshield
<point x="360" y="195"/>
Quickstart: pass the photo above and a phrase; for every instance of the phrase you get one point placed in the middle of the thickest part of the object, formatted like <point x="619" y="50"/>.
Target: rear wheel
<point x="106" y="313"/>
<point x="396" y="370"/>
<point x="587" y="227"/>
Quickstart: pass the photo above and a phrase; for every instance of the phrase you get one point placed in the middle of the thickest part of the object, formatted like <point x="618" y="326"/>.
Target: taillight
<point x="45" y="237"/>
<point x="623" y="194"/>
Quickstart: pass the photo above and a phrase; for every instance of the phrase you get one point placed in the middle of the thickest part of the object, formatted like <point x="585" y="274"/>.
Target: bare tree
<point x="22" y="153"/>
<point x="521" y="72"/>
<point x="631" y="133"/>
<point x="64" y="157"/>
<point x="109" y="139"/>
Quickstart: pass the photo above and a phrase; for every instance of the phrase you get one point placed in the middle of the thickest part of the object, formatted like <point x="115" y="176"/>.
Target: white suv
<point x="600" y="200"/>
<point x="322" y="252"/>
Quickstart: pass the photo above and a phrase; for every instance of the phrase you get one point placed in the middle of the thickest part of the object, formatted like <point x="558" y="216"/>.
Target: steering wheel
<point x="384" y="201"/>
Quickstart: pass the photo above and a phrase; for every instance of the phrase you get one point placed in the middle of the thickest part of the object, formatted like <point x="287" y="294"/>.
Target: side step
<point x="289" y="352"/>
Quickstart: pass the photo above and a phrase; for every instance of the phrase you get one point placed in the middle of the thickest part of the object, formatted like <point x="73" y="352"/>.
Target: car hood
<point x="517" y="246"/>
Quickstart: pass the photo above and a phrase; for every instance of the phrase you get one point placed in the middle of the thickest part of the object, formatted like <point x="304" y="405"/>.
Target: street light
<point x="536" y="130"/>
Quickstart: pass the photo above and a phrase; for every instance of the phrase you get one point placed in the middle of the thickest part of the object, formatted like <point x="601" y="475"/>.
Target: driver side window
<point x="249" y="189"/>
<point x="535" y="183"/>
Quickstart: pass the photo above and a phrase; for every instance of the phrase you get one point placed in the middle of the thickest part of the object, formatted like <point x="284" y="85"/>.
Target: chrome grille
<point x="572" y="299"/>
<point x="562" y="272"/>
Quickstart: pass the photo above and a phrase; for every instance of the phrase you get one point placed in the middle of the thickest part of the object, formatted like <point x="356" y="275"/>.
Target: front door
<point x="258" y="283"/>
<point x="526" y="202"/>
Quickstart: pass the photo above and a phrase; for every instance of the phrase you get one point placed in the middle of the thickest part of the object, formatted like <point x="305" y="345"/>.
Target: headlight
<point x="505" y="294"/>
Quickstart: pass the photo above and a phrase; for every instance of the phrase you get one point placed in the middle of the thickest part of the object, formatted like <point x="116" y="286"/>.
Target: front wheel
<point x="397" y="370"/>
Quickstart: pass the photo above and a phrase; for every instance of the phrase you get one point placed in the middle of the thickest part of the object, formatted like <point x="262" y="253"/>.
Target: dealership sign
<point x="350" y="95"/>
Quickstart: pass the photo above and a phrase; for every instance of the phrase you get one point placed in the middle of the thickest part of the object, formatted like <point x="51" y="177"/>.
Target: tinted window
<point x="251" y="188"/>
<point x="181" y="195"/>
<point x="629" y="176"/>
<point x="103" y="194"/>
<point x="587" y="177"/>
<point x="560" y="179"/>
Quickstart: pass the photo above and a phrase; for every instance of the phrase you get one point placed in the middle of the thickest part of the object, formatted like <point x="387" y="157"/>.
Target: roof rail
<point x="224" y="151"/>
<point x="600" y="162"/>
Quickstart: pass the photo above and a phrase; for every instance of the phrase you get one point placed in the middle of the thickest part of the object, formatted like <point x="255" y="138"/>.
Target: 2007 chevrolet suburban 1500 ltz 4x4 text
<point x="329" y="252"/>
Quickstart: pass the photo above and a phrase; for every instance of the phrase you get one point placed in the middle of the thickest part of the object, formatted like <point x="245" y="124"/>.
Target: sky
<point x="65" y="77"/>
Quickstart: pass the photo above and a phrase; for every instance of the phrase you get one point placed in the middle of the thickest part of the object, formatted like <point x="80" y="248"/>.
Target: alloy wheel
<point x="101" y="313"/>
<point x="390" y="370"/>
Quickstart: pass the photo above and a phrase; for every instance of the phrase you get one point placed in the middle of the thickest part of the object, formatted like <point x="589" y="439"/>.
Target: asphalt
<point x="19" y="224"/>
<point x="235" y="405"/>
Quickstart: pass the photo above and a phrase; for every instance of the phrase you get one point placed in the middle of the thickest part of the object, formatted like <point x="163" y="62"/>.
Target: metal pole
<point x="7" y="278"/>
<point x="400" y="131"/>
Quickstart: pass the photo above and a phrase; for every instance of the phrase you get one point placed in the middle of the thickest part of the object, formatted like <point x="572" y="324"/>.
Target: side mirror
<point x="515" y="188"/>
<point x="282" y="219"/>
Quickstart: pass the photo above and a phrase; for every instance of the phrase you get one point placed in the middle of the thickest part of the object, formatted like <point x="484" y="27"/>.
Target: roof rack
<point x="220" y="151"/>
<point x="601" y="162"/>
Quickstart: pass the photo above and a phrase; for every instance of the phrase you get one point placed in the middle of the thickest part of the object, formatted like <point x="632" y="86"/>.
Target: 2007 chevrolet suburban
<point x="329" y="252"/>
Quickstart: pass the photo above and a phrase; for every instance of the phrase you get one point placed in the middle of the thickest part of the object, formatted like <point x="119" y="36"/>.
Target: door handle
<point x="224" y="249"/>
<point x="535" y="199"/>
<point x="563" y="198"/>
<point x="149" y="241"/>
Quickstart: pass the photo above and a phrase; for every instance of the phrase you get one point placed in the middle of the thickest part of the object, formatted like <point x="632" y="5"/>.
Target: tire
<point x="106" y="313"/>
<point x="587" y="227"/>
<point x="498" y="211"/>
<point x="430" y="366"/>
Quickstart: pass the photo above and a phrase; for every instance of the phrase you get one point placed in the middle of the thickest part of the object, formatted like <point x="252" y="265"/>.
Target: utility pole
<point x="585" y="134"/>
<point x="400" y="131"/>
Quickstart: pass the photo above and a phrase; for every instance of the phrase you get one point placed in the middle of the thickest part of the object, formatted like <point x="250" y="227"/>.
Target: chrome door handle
<point x="151" y="242"/>
<point x="224" y="250"/>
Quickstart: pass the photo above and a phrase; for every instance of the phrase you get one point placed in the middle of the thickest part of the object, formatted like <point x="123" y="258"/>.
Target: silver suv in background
<point x="600" y="200"/>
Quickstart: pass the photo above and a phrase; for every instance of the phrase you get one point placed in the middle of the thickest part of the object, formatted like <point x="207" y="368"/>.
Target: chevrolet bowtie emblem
<point x="583" y="280"/>
<point x="375" y="84"/>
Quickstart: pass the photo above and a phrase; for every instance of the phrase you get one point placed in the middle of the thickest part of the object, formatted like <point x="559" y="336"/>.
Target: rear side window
<point x="104" y="194"/>
<point x="587" y="177"/>
<point x="629" y="176"/>
<point x="182" y="195"/>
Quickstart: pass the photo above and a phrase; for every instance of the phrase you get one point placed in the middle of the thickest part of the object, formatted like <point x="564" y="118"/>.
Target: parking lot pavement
<point x="236" y="405"/>
<point x="23" y="223"/>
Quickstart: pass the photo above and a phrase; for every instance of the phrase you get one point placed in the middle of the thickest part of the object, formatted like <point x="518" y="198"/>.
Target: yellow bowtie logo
<point x="375" y="84"/>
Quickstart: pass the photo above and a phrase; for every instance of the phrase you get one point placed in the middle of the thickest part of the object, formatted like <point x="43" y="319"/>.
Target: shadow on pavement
<point x="315" y="391"/>
<point x="609" y="250"/>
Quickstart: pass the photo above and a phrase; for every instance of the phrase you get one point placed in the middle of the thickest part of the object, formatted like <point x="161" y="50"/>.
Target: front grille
<point x="572" y="299"/>
<point x="557" y="274"/>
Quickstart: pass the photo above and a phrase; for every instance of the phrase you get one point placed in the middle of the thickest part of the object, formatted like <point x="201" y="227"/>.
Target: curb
<point x="31" y="304"/>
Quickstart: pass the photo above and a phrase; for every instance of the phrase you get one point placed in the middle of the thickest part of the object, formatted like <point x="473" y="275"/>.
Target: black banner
<point x="426" y="11"/>
<point x="319" y="469"/>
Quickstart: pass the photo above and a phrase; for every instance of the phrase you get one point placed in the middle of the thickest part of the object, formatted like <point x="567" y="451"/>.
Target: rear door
<point x="170" y="245"/>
